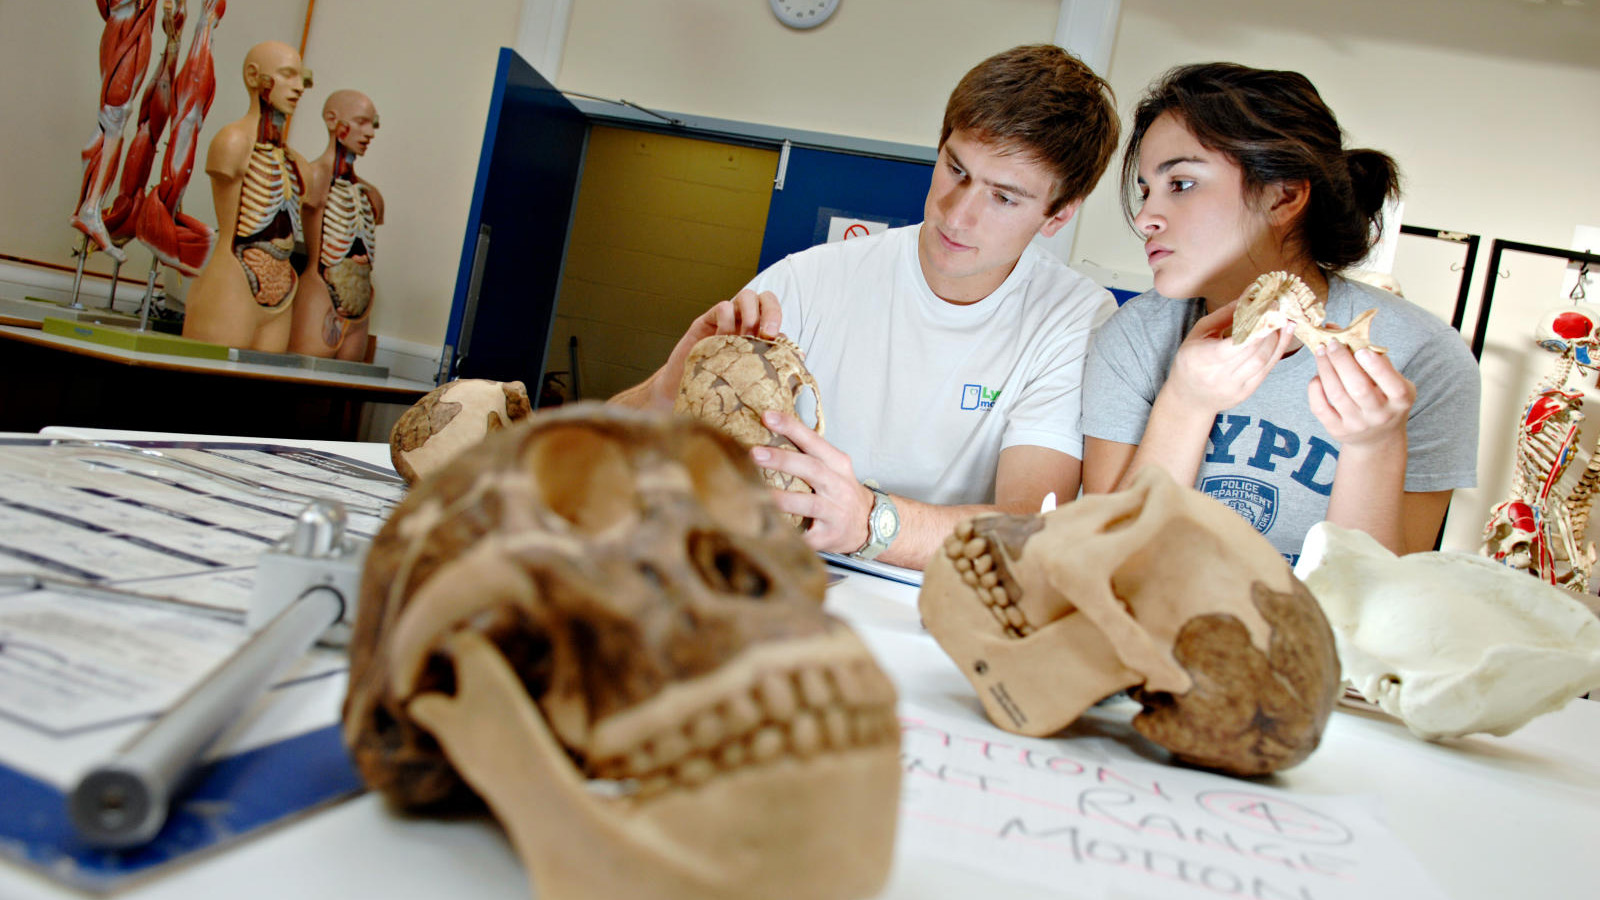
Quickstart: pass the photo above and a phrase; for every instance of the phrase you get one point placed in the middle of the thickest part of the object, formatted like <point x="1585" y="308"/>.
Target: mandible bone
<point x="730" y="381"/>
<point x="598" y="622"/>
<point x="1279" y="298"/>
<point x="1449" y="643"/>
<point x="449" y="419"/>
<point x="1157" y="588"/>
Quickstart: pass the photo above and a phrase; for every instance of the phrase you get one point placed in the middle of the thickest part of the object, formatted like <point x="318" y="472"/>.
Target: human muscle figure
<point x="175" y="238"/>
<point x="124" y="56"/>
<point x="155" y="110"/>
<point x="241" y="295"/>
<point x="342" y="212"/>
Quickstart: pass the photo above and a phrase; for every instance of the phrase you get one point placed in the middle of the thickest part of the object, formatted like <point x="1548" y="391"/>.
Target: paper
<point x="1064" y="812"/>
<point x="167" y="519"/>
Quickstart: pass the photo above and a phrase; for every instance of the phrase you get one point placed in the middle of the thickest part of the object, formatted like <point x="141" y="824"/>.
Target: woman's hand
<point x="1359" y="397"/>
<point x="1211" y="373"/>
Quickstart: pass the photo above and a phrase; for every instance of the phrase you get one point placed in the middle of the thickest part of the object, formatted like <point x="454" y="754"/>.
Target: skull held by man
<point x="598" y="622"/>
<point x="730" y="381"/>
<point x="1157" y="588"/>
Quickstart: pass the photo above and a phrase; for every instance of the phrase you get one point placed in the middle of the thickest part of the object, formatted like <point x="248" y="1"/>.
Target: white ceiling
<point x="1555" y="31"/>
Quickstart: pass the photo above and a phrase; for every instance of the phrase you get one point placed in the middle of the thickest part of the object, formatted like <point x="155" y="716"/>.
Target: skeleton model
<point x="597" y="622"/>
<point x="730" y="381"/>
<point x="175" y="238"/>
<point x="1157" y="588"/>
<point x="1542" y="527"/>
<point x="124" y="56"/>
<point x="1277" y="298"/>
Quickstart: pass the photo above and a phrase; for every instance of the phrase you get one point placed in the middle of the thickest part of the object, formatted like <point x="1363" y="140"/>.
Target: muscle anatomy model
<point x="342" y="212"/>
<point x="174" y="238"/>
<point x="154" y="112"/>
<point x="241" y="296"/>
<point x="124" y="57"/>
<point x="1542" y="527"/>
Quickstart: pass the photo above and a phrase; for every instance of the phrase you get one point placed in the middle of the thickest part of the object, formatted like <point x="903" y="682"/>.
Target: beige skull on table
<point x="449" y="419"/>
<point x="1157" y="588"/>
<point x="599" y="623"/>
<point x="730" y="381"/>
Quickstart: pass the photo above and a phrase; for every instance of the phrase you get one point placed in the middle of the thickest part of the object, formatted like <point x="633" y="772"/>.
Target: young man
<point x="949" y="353"/>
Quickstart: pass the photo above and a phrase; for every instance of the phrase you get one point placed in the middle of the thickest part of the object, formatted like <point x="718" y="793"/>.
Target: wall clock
<point x="803" y="13"/>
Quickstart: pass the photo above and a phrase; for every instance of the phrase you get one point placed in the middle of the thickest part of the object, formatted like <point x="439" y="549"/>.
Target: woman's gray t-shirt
<point x="1269" y="458"/>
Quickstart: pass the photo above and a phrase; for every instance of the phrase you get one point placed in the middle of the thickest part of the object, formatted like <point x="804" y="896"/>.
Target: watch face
<point x="885" y="523"/>
<point x="803" y="13"/>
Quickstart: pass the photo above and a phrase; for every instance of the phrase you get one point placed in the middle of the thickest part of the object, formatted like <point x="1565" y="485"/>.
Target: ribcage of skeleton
<point x="347" y="219"/>
<point x="271" y="186"/>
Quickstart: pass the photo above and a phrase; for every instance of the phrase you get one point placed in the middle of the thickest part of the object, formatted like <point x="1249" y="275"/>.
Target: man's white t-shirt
<point x="924" y="394"/>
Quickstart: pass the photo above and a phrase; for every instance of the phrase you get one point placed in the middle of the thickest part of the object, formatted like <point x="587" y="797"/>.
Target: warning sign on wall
<point x="841" y="228"/>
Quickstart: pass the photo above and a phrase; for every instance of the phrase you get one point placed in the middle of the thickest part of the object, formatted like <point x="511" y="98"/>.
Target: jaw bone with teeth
<point x="1279" y="298"/>
<point x="1156" y="588"/>
<point x="598" y="622"/>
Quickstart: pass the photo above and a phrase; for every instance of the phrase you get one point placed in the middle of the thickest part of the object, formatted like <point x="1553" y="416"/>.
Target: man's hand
<point x="839" y="505"/>
<point x="747" y="313"/>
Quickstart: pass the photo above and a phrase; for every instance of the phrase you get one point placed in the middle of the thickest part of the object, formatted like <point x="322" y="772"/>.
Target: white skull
<point x="1575" y="326"/>
<point x="1157" y="588"/>
<point x="1450" y="643"/>
<point x="599" y="622"/>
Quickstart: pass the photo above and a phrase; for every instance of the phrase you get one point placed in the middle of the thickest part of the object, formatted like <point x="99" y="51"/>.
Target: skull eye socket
<point x="723" y="490"/>
<point x="585" y="477"/>
<point x="725" y="567"/>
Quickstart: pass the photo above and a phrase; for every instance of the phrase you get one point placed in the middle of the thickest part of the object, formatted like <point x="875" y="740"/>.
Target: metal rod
<point x="77" y="279"/>
<point x="124" y="801"/>
<point x="149" y="295"/>
<point x="111" y="298"/>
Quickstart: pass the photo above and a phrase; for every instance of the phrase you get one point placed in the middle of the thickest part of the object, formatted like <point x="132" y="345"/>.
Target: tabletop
<point x="1484" y="817"/>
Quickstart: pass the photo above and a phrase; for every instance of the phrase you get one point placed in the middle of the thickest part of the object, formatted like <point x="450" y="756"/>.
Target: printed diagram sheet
<point x="125" y="573"/>
<point x="185" y="522"/>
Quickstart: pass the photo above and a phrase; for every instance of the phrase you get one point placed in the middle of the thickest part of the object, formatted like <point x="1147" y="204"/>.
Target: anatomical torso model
<point x="244" y="292"/>
<point x="333" y="303"/>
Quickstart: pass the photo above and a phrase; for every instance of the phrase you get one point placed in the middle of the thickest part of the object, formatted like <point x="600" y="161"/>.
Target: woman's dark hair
<point x="1274" y="125"/>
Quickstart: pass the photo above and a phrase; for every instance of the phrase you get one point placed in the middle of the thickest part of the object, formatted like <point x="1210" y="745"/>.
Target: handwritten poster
<point x="1091" y="823"/>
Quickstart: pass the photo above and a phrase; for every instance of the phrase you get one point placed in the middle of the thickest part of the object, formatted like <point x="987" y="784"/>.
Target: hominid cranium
<point x="599" y="623"/>
<point x="449" y="419"/>
<point x="731" y="380"/>
<point x="1157" y="588"/>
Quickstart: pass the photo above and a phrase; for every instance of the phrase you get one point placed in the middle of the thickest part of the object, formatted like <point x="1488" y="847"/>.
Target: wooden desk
<point x="48" y="380"/>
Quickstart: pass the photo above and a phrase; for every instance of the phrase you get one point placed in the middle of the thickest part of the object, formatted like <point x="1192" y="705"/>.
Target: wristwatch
<point x="883" y="523"/>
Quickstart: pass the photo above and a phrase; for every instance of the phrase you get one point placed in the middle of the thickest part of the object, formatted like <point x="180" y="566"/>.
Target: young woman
<point x="1240" y="172"/>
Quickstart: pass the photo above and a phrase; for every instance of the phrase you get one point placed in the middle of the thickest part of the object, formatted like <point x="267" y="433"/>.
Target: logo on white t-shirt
<point x="978" y="397"/>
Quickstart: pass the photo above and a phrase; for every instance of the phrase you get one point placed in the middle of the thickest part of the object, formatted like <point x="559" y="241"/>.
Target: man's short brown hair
<point x="1042" y="102"/>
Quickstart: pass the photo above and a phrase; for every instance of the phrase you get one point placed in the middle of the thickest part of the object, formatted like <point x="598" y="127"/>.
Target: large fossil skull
<point x="1157" y="588"/>
<point x="449" y="419"/>
<point x="1450" y="643"/>
<point x="730" y="381"/>
<point x="599" y="623"/>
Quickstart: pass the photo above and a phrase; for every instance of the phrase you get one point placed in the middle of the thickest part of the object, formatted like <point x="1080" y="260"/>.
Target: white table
<point x="1488" y="817"/>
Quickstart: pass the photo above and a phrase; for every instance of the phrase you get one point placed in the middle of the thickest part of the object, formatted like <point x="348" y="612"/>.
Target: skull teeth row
<point x="797" y="714"/>
<point x="974" y="559"/>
